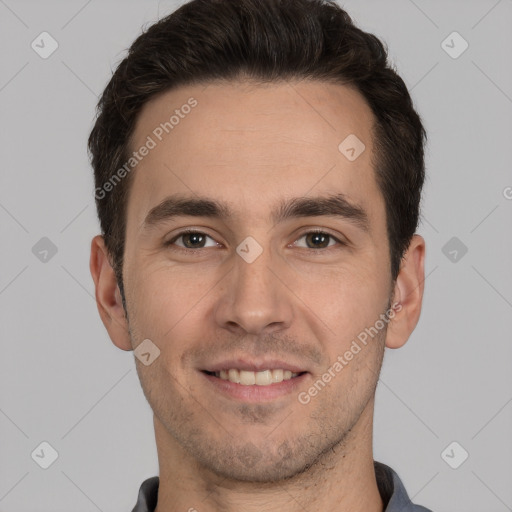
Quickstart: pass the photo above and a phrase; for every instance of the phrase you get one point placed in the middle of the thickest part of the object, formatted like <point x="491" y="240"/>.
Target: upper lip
<point x="254" y="366"/>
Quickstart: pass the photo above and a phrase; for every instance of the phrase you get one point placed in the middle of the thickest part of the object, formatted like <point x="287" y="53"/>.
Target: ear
<point x="108" y="295"/>
<point x="407" y="294"/>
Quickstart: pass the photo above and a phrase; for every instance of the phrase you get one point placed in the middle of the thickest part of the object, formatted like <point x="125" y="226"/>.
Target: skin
<point x="252" y="146"/>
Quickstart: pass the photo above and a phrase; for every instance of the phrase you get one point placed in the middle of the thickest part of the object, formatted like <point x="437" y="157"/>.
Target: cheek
<point x="351" y="308"/>
<point x="165" y="300"/>
<point x="345" y="296"/>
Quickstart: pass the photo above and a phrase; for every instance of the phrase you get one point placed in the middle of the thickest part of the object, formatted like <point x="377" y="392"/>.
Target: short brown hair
<point x="267" y="41"/>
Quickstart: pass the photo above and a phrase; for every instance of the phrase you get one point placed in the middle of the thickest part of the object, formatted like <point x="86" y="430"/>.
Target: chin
<point x="251" y="464"/>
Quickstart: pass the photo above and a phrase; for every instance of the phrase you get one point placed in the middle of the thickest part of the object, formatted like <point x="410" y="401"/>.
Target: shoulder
<point x="148" y="495"/>
<point x="393" y="492"/>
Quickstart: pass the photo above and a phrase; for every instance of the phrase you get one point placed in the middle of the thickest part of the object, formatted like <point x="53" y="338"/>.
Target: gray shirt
<point x="390" y="486"/>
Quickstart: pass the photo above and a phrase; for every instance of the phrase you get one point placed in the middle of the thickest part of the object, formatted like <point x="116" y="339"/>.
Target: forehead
<point x="253" y="144"/>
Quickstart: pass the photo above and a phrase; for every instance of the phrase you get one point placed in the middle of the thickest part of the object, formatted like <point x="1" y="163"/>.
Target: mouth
<point x="251" y="378"/>
<point x="254" y="383"/>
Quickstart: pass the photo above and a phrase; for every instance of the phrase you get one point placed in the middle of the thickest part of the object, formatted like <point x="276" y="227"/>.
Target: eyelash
<point x="196" y="232"/>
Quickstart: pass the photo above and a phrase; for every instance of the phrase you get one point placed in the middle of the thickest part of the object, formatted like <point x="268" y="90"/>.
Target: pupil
<point x="194" y="238"/>
<point x="318" y="237"/>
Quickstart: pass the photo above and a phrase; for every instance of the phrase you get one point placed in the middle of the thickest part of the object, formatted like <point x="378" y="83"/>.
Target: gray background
<point x="64" y="382"/>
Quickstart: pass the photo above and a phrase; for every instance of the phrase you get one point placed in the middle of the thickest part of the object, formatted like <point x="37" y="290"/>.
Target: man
<point x="258" y="171"/>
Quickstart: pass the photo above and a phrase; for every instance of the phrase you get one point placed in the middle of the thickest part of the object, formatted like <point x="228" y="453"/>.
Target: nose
<point x="255" y="298"/>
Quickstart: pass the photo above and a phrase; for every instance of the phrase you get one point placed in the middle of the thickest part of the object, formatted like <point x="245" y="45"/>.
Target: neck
<point x="342" y="479"/>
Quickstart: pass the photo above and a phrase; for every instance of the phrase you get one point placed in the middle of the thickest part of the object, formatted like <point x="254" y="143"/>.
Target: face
<point x="287" y="263"/>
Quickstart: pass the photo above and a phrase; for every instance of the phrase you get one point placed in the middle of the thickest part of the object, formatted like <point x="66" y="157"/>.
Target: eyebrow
<point x="336" y="205"/>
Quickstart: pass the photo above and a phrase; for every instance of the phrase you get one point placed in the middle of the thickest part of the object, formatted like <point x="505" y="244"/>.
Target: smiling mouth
<point x="248" y="378"/>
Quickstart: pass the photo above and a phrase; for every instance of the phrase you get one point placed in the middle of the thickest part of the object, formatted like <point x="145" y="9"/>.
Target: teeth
<point x="232" y="375"/>
<point x="277" y="375"/>
<point x="264" y="378"/>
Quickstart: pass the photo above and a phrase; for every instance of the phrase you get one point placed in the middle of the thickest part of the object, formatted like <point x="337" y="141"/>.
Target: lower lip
<point x="256" y="393"/>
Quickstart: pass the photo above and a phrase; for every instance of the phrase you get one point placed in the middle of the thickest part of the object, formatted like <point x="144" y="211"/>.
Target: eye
<point x="191" y="240"/>
<point x="318" y="240"/>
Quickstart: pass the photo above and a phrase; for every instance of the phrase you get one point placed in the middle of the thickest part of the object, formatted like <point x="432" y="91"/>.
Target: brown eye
<point x="191" y="240"/>
<point x="319" y="240"/>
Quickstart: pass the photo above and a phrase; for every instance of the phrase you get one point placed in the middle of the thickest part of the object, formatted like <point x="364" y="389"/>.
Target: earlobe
<point x="108" y="296"/>
<point x="408" y="294"/>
